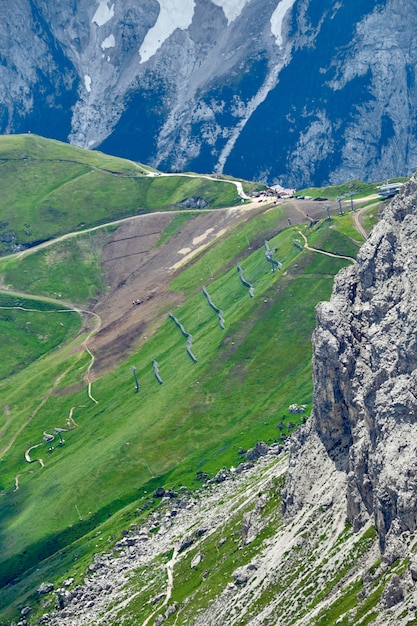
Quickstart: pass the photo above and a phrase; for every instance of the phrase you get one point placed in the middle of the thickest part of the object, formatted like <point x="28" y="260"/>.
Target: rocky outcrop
<point x="365" y="382"/>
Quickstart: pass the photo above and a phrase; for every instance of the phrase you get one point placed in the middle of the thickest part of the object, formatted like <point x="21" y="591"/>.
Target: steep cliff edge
<point x="365" y="373"/>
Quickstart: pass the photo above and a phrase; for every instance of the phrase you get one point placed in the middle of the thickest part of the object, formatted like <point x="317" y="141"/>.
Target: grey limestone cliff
<point x="365" y="375"/>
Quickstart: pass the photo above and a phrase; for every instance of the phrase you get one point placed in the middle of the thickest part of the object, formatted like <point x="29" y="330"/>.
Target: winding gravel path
<point x="332" y="254"/>
<point x="95" y="329"/>
<point x="358" y="224"/>
<point x="170" y="584"/>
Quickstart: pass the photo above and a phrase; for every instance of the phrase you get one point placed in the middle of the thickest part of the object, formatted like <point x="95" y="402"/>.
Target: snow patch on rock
<point x="231" y="8"/>
<point x="277" y="19"/>
<point x="173" y="14"/>
<point x="87" y="82"/>
<point x="104" y="13"/>
<point x="108" y="42"/>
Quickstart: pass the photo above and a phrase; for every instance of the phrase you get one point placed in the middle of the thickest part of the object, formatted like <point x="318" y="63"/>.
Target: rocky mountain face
<point x="365" y="402"/>
<point x="327" y="536"/>
<point x="365" y="371"/>
<point x="293" y="91"/>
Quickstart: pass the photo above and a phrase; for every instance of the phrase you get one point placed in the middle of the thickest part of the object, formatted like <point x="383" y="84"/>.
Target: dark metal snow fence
<point x="133" y="368"/>
<point x="245" y="282"/>
<point x="156" y="372"/>
<point x="215" y="308"/>
<point x="268" y="256"/>
<point x="187" y="335"/>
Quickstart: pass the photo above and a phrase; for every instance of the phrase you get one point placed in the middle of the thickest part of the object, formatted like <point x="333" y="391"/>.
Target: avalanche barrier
<point x="215" y="308"/>
<point x="245" y="282"/>
<point x="156" y="372"/>
<point x="268" y="257"/>
<point x="189" y="337"/>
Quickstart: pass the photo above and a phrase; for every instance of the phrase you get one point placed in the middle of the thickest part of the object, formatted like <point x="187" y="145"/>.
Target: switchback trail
<point x="336" y="256"/>
<point x="16" y="480"/>
<point x="84" y="345"/>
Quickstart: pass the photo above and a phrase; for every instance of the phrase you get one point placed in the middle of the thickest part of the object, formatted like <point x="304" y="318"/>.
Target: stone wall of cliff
<point x="365" y="380"/>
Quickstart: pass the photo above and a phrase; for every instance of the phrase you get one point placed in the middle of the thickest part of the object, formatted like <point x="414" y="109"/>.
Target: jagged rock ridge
<point x="365" y="372"/>
<point x="369" y="327"/>
<point x="293" y="91"/>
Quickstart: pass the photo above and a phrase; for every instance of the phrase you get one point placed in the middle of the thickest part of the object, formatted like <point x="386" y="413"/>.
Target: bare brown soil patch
<point x="138" y="269"/>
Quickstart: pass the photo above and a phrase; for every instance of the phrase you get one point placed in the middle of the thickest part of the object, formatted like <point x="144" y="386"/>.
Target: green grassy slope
<point x="50" y="188"/>
<point x="71" y="269"/>
<point x="237" y="393"/>
<point x="30" y="330"/>
<point x="121" y="445"/>
<point x="358" y="189"/>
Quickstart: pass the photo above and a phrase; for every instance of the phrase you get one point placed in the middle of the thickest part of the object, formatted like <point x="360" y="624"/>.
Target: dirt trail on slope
<point x="358" y="219"/>
<point x="170" y="584"/>
<point x="84" y="347"/>
<point x="332" y="254"/>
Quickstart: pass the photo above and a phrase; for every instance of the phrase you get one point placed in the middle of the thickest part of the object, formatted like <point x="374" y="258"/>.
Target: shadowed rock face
<point x="365" y="375"/>
<point x="298" y="92"/>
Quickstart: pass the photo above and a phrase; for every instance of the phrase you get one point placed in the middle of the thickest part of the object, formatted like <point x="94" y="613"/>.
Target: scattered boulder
<point x="221" y="476"/>
<point x="131" y="541"/>
<point x="276" y="449"/>
<point x="260" y="449"/>
<point x="159" y="493"/>
<point x="186" y="543"/>
<point x="193" y="203"/>
<point x="243" y="467"/>
<point x="171" y="609"/>
<point x="25" y="611"/>
<point x="196" y="560"/>
<point x="98" y="561"/>
<point x="393" y="593"/>
<point x="251" y="525"/>
<point x="159" y="598"/>
<point x="202" y="476"/>
<point x="44" y="588"/>
<point x="243" y="574"/>
<point x="297" y="408"/>
<point x="62" y="600"/>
